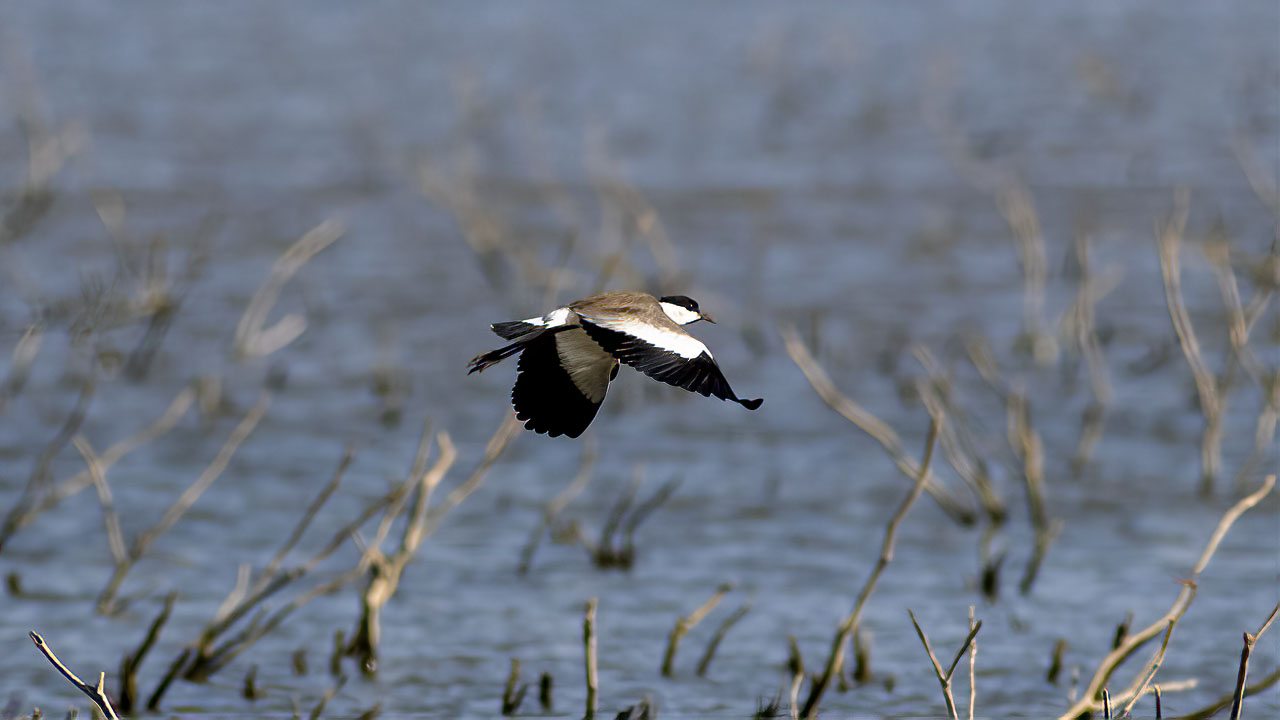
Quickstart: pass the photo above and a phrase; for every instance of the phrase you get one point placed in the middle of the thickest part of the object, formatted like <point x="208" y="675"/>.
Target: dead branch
<point x="1169" y="235"/>
<point x="1152" y="668"/>
<point x="1028" y="447"/>
<point x="1014" y="202"/>
<point x="1243" y="675"/>
<point x="869" y="424"/>
<point x="944" y="678"/>
<point x="251" y="338"/>
<point x="795" y="665"/>
<point x="132" y="661"/>
<point x="589" y="647"/>
<point x="24" y="355"/>
<point x="21" y="516"/>
<point x="1089" y="699"/>
<point x="110" y="518"/>
<point x="835" y="660"/>
<point x="513" y="693"/>
<point x="1080" y="325"/>
<point x="973" y="662"/>
<point x="38" y="483"/>
<point x="97" y="694"/>
<point x="107" y="598"/>
<point x="385" y="571"/>
<point x="958" y="445"/>
<point x="721" y="631"/>
<point x="687" y="623"/>
<point x="558" y="503"/>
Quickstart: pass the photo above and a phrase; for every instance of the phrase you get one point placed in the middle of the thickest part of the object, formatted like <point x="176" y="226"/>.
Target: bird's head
<point x="683" y="309"/>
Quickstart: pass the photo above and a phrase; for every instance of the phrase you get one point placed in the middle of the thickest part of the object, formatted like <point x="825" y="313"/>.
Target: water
<point x="796" y="160"/>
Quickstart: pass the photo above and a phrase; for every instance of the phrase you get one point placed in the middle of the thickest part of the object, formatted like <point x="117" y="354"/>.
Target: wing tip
<point x="751" y="404"/>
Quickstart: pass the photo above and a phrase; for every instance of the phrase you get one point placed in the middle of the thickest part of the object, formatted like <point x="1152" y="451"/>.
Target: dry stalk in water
<point x="1015" y="204"/>
<point x="944" y="678"/>
<point x="252" y="339"/>
<point x="1089" y="700"/>
<point x="38" y="484"/>
<point x="835" y="660"/>
<point x="132" y="661"/>
<point x="589" y="649"/>
<point x="958" y="445"/>
<point x="721" y="631"/>
<point x="1152" y="668"/>
<point x="385" y="571"/>
<point x="687" y="623"/>
<point x="27" y="510"/>
<point x="107" y="599"/>
<point x="973" y="662"/>
<point x="1028" y="447"/>
<point x="1169" y="235"/>
<point x="513" y="693"/>
<point x="1243" y="674"/>
<point x="795" y="663"/>
<point x="869" y="424"/>
<point x="24" y="355"/>
<point x="1079" y="324"/>
<point x="97" y="694"/>
<point x="559" y="503"/>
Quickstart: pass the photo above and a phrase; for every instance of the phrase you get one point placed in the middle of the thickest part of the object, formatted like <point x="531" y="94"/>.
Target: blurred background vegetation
<point x="246" y="252"/>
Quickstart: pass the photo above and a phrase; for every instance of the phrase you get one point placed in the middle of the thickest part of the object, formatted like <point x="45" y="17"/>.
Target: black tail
<point x="493" y="357"/>
<point x="749" y="404"/>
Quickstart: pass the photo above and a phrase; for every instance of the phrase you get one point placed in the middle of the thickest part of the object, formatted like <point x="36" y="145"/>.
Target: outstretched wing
<point x="671" y="356"/>
<point x="561" y="381"/>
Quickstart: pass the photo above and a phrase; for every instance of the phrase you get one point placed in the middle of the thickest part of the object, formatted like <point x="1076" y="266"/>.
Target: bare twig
<point x="132" y="661"/>
<point x="944" y="678"/>
<point x="1243" y="675"/>
<point x="1028" y="447"/>
<point x="1226" y="700"/>
<point x="1152" y="668"/>
<point x="589" y="646"/>
<point x="687" y="623"/>
<point x="97" y="694"/>
<point x="721" y="631"/>
<point x="558" y="504"/>
<point x="835" y="660"/>
<point x="513" y="693"/>
<point x="973" y="662"/>
<point x="1089" y="699"/>
<point x="869" y="424"/>
<point x="107" y="599"/>
<point x="38" y="483"/>
<point x="1169" y="234"/>
<point x="24" y="355"/>
<point x="252" y="339"/>
<point x="23" y="514"/>
<point x="110" y="518"/>
<point x="958" y="445"/>
<point x="385" y="571"/>
<point x="795" y="664"/>
<point x="1014" y="202"/>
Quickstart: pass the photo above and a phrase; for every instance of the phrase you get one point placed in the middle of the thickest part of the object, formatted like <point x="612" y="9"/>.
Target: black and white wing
<point x="668" y="354"/>
<point x="561" y="381"/>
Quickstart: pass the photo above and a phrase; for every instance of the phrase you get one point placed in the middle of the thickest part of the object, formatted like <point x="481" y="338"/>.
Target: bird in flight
<point x="569" y="356"/>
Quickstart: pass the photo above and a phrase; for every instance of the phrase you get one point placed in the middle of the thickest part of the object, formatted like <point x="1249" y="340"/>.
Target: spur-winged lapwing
<point x="569" y="356"/>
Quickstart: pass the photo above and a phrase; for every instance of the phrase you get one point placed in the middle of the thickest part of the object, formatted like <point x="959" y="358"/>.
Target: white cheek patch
<point x="588" y="365"/>
<point x="680" y="315"/>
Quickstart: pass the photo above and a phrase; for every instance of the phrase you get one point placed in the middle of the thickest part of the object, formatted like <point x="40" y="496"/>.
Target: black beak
<point x="707" y="317"/>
